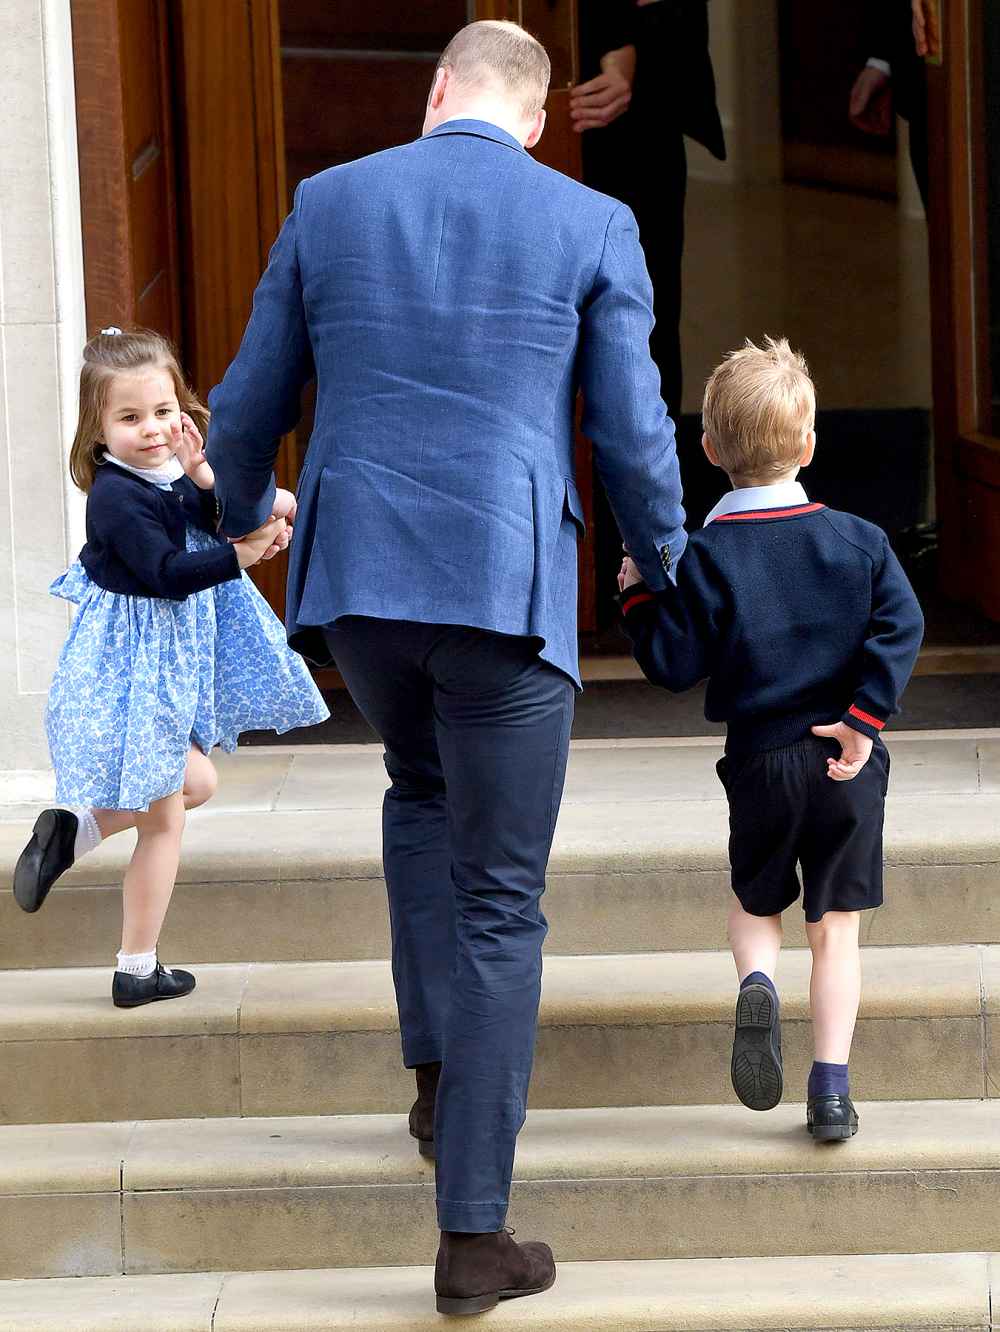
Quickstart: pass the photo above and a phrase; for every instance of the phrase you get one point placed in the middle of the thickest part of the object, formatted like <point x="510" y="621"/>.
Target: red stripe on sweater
<point x="767" y="513"/>
<point x="866" y="717"/>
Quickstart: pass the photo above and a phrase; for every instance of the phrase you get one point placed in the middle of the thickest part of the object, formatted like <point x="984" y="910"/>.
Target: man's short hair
<point x="759" y="405"/>
<point x="500" y="55"/>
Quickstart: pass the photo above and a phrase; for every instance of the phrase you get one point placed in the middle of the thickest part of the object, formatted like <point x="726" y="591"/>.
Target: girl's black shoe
<point x="132" y="991"/>
<point x="49" y="853"/>
<point x="831" y="1118"/>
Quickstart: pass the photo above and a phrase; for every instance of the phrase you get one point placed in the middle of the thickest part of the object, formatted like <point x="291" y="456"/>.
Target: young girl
<point x="171" y="652"/>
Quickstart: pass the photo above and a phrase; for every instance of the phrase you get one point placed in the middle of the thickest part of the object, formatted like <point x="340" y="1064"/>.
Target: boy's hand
<point x="628" y="574"/>
<point x="189" y="448"/>
<point x="855" y="751"/>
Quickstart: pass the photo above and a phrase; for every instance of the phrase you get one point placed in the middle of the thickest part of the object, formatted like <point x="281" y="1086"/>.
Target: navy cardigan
<point x="798" y="617"/>
<point x="136" y="537"/>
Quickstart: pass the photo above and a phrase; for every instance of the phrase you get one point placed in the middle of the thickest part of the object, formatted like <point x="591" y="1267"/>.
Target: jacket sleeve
<point x="674" y="631"/>
<point x="259" y="400"/>
<point x="144" y="545"/>
<point x="624" y="415"/>
<point x="895" y="633"/>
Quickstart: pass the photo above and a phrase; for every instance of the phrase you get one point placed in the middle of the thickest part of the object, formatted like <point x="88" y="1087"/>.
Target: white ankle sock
<point x="137" y="964"/>
<point x="88" y="835"/>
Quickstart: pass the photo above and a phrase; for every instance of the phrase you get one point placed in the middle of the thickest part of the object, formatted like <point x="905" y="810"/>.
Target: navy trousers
<point x="476" y="731"/>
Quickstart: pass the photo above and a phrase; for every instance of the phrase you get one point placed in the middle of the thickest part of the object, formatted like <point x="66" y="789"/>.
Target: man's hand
<point x="285" y="506"/>
<point x="870" y="107"/>
<point x="189" y="449"/>
<point x="855" y="751"/>
<point x="600" y="101"/>
<point x="628" y="574"/>
<point x="926" y="35"/>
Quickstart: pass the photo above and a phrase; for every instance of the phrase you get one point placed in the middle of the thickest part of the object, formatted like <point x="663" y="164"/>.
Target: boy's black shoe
<point x="475" y="1272"/>
<point x="831" y="1118"/>
<point x="132" y="991"/>
<point x="49" y="853"/>
<point x="756" y="1067"/>
<point x="422" y="1113"/>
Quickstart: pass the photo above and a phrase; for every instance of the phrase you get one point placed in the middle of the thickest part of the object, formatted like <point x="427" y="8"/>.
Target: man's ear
<point x="709" y="450"/>
<point x="439" y="88"/>
<point x="537" y="129"/>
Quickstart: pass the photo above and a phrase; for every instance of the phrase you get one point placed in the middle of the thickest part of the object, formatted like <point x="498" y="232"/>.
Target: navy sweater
<point x="798" y="617"/>
<point x="136" y="536"/>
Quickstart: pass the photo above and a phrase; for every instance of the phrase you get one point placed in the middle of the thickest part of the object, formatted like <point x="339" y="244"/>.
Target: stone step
<point x="321" y="1037"/>
<point x="613" y="1184"/>
<point x="285" y="865"/>
<point x="914" y="1293"/>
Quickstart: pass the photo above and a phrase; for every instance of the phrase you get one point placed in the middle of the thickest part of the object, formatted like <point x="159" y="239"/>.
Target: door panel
<point x="964" y="220"/>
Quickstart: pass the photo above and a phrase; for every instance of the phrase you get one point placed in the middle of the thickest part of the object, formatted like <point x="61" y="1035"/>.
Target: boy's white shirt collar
<point x="784" y="495"/>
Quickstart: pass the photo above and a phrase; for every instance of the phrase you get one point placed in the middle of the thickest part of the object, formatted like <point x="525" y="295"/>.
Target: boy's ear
<point x="809" y="450"/>
<point x="710" y="452"/>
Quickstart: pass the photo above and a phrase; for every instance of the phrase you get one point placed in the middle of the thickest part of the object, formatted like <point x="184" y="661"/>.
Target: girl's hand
<point x="189" y="447"/>
<point x="252" y="548"/>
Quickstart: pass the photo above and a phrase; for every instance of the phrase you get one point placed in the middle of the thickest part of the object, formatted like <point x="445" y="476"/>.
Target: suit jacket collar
<point x="481" y="129"/>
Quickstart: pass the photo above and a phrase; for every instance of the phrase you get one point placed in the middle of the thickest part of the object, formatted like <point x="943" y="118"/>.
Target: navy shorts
<point x="784" y="811"/>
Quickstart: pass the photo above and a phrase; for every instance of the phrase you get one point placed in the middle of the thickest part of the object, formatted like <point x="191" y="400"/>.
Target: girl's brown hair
<point x="110" y="354"/>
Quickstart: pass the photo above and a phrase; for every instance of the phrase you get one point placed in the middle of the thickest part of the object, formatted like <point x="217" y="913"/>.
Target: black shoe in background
<point x="422" y="1112"/>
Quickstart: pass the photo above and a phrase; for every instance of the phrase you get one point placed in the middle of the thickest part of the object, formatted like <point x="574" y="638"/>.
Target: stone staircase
<point x="240" y="1160"/>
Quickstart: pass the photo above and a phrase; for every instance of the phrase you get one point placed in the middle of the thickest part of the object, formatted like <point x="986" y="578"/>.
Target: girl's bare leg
<point x="149" y="879"/>
<point x="200" y="781"/>
<point x="835" y="989"/>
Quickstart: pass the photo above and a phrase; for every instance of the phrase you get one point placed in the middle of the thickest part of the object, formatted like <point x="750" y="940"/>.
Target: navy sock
<point x="759" y="978"/>
<point x="828" y="1080"/>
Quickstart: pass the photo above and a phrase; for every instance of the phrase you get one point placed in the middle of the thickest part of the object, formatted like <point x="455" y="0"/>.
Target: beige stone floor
<point x="843" y="276"/>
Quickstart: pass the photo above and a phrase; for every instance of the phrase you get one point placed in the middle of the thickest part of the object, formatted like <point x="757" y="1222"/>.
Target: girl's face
<point x="136" y="420"/>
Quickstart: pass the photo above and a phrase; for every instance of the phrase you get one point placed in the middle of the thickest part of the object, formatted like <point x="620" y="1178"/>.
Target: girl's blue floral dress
<point x="141" y="679"/>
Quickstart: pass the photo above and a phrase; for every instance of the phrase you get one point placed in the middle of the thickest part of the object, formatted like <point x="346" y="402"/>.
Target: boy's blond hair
<point x="759" y="405"/>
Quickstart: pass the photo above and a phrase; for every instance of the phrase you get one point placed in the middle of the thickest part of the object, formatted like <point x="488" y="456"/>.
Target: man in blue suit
<point x="451" y="297"/>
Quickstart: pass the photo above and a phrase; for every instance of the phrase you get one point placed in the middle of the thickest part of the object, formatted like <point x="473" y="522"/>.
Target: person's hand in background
<point x="870" y="107"/>
<point x="926" y="32"/>
<point x="600" y="101"/>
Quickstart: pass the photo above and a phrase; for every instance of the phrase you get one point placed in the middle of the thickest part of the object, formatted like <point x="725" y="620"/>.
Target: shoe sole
<point x="832" y="1132"/>
<point x="153" y="999"/>
<point x="26" y="891"/>
<point x="756" y="1069"/>
<point x="476" y="1304"/>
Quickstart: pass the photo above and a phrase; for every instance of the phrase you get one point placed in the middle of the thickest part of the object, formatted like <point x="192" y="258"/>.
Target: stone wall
<point x="42" y="329"/>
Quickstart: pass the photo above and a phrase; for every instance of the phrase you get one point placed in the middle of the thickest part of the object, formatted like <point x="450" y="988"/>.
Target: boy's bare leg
<point x="755" y="941"/>
<point x="835" y="989"/>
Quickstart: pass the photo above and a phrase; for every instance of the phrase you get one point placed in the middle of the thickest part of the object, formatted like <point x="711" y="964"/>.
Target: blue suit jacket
<point x="450" y="297"/>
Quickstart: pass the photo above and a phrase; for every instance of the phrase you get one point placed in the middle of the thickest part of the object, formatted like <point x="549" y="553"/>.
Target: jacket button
<point x="665" y="559"/>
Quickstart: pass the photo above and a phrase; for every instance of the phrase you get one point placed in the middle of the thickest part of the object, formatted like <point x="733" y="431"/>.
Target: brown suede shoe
<point x="422" y="1114"/>
<point x="475" y="1272"/>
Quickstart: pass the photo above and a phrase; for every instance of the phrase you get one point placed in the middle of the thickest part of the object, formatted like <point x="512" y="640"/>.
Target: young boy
<point x="807" y="630"/>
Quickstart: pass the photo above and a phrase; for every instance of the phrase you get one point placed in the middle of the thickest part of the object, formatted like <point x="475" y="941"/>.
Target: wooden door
<point x="128" y="194"/>
<point x="964" y="220"/>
